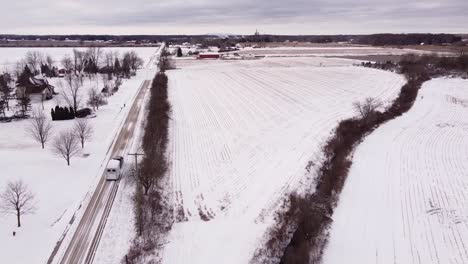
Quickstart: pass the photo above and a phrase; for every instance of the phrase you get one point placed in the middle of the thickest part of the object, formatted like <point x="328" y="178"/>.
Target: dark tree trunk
<point x="18" y="217"/>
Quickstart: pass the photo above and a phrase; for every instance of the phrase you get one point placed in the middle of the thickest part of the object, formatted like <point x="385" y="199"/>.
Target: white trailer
<point x="114" y="169"/>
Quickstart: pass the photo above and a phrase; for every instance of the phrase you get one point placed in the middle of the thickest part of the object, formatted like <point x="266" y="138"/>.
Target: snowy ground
<point x="59" y="189"/>
<point x="406" y="196"/>
<point x="338" y="51"/>
<point x="241" y="136"/>
<point x="328" y="51"/>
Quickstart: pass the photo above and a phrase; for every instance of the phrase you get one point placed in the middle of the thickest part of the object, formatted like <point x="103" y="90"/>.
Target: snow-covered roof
<point x="113" y="164"/>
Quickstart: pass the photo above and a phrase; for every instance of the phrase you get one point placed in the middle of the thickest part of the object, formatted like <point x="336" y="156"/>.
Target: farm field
<point x="241" y="136"/>
<point x="406" y="195"/>
<point x="329" y="51"/>
<point x="61" y="191"/>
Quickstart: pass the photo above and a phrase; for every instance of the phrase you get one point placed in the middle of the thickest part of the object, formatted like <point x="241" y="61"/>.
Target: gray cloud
<point x="240" y="16"/>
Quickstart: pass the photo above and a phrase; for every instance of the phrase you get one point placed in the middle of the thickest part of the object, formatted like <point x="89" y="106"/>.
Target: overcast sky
<point x="234" y="16"/>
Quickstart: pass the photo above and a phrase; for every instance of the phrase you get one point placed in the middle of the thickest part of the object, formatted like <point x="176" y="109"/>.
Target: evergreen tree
<point x="6" y="89"/>
<point x="126" y="66"/>
<point x="90" y="67"/>
<point x="23" y="78"/>
<point x="72" y="113"/>
<point x="117" y="67"/>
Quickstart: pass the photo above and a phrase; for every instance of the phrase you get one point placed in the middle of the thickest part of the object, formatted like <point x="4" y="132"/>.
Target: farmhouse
<point x="36" y="86"/>
<point x="209" y="56"/>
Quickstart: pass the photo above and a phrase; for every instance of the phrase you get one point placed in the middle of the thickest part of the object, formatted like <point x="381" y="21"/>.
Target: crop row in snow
<point x="405" y="197"/>
<point x="241" y="136"/>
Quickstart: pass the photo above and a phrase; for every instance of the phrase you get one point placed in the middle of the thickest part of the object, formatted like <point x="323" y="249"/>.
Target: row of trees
<point x="90" y="61"/>
<point x="87" y="61"/>
<point x="94" y="60"/>
<point x="166" y="62"/>
<point x="62" y="113"/>
<point x="407" y="39"/>
<point x="153" y="213"/>
<point x="417" y="66"/>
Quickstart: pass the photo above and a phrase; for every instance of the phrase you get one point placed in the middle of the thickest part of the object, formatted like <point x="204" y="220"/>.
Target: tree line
<point x="153" y="212"/>
<point x="407" y="39"/>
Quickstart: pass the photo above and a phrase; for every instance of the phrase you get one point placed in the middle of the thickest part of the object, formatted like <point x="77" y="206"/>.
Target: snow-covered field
<point x="241" y="136"/>
<point x="59" y="189"/>
<point x="328" y="51"/>
<point x="406" y="196"/>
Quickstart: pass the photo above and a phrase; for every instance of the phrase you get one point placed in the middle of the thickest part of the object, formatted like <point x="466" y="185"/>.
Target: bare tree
<point x="94" y="53"/>
<point x="135" y="61"/>
<point x="49" y="61"/>
<point x="462" y="51"/>
<point x="83" y="130"/>
<point x="34" y="60"/>
<point x="152" y="167"/>
<point x="66" y="145"/>
<point x="19" y="67"/>
<point x="17" y="199"/>
<point x="107" y="82"/>
<point x="40" y="128"/>
<point x="23" y="101"/>
<point x="79" y="59"/>
<point x="95" y="99"/>
<point x="368" y="107"/>
<point x="71" y="90"/>
<point x="110" y="57"/>
<point x="67" y="62"/>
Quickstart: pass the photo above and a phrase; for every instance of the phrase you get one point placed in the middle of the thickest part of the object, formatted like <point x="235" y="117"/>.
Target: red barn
<point x="209" y="56"/>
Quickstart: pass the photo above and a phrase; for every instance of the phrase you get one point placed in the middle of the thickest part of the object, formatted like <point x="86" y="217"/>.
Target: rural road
<point x="85" y="240"/>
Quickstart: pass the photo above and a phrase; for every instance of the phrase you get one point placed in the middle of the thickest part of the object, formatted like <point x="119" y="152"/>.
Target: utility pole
<point x="136" y="160"/>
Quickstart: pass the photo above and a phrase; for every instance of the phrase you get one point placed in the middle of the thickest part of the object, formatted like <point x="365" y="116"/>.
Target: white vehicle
<point x="114" y="168"/>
